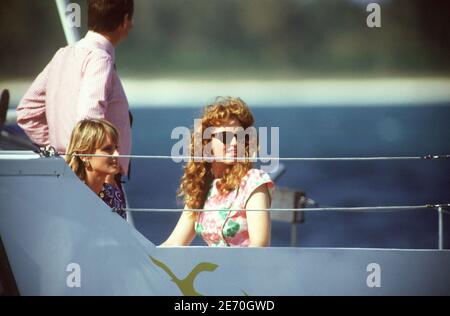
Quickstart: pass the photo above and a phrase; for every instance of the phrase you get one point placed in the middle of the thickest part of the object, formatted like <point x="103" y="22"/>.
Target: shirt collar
<point x="101" y="42"/>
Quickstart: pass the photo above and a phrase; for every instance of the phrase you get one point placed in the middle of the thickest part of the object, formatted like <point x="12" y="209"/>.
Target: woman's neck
<point x="95" y="181"/>
<point x="218" y="169"/>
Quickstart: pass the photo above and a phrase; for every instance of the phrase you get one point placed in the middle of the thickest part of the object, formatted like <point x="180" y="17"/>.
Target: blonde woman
<point x="97" y="137"/>
<point x="225" y="184"/>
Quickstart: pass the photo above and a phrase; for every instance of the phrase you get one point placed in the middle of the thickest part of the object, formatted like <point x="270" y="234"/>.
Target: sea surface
<point x="320" y="131"/>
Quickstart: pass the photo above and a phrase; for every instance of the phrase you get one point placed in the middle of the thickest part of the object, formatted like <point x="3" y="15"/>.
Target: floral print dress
<point x="114" y="198"/>
<point x="228" y="227"/>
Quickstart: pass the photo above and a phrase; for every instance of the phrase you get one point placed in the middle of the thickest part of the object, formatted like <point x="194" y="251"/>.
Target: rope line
<point x="265" y="159"/>
<point x="317" y="209"/>
<point x="47" y="152"/>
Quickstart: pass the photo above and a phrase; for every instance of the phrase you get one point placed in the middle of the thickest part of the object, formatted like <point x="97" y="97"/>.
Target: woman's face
<point x="224" y="141"/>
<point x="105" y="165"/>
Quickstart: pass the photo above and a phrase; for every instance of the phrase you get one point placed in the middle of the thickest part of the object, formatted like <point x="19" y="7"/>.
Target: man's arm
<point x="95" y="89"/>
<point x="31" y="110"/>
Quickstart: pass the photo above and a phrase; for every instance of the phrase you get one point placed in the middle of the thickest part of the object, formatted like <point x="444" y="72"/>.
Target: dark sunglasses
<point x="226" y="137"/>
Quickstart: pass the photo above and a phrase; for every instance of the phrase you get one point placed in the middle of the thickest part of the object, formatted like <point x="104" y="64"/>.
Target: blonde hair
<point x="197" y="177"/>
<point x="87" y="136"/>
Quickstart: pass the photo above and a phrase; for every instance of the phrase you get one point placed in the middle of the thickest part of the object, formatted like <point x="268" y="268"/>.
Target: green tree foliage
<point x="247" y="38"/>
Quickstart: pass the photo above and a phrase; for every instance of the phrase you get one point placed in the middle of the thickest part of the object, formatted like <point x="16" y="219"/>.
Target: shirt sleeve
<point x="254" y="179"/>
<point x="31" y="115"/>
<point x="95" y="88"/>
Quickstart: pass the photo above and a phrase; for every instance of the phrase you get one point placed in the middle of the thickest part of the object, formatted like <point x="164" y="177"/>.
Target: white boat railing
<point x="440" y="207"/>
<point x="265" y="159"/>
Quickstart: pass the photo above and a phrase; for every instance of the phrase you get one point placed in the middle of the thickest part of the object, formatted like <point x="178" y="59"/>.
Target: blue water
<point x="321" y="132"/>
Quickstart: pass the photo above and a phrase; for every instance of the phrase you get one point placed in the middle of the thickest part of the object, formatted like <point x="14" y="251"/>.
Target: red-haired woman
<point x="225" y="184"/>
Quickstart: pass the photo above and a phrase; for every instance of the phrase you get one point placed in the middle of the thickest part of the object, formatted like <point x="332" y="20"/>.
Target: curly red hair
<point x="197" y="178"/>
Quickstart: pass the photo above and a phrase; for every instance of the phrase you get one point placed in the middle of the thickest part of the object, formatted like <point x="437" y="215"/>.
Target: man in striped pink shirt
<point x="81" y="82"/>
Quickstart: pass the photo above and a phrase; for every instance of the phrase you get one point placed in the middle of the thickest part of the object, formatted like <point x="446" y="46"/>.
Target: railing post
<point x="294" y="234"/>
<point x="441" y="228"/>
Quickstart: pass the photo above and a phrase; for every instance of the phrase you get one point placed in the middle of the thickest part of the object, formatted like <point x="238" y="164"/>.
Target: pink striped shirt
<point x="79" y="82"/>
